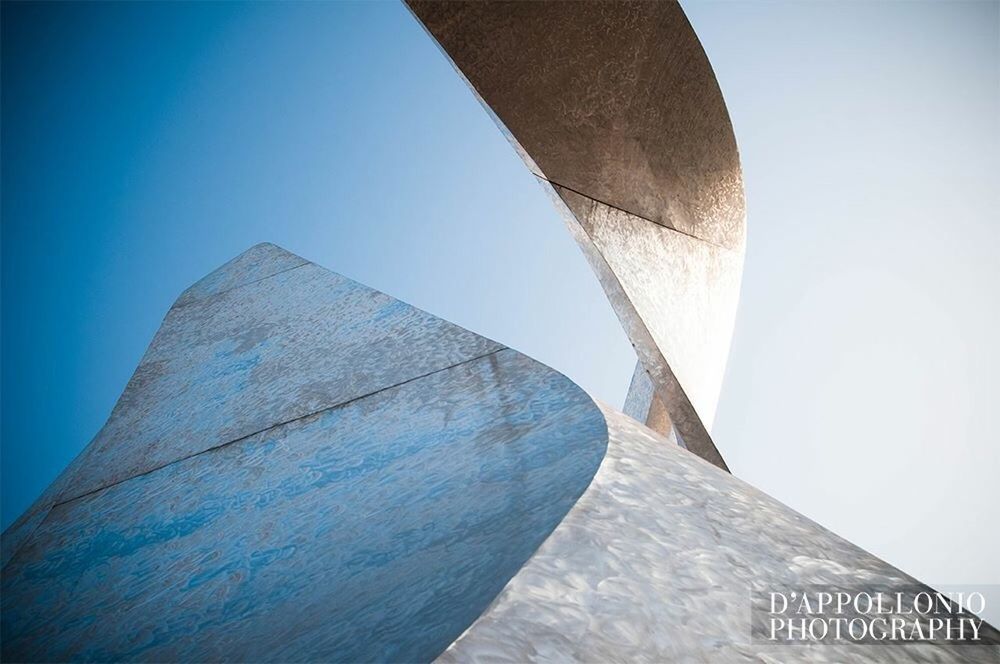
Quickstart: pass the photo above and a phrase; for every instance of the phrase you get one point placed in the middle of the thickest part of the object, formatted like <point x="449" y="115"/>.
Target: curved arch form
<point x="615" y="109"/>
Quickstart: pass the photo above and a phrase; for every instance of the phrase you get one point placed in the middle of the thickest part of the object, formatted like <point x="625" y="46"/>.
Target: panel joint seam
<point x="276" y="425"/>
<point x="210" y="296"/>
<point x="633" y="214"/>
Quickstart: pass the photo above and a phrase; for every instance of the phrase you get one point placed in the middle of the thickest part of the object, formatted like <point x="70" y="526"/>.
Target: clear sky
<point x="143" y="145"/>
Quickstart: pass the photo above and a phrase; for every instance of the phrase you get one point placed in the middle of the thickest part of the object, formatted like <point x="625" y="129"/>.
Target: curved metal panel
<point x="656" y="561"/>
<point x="306" y="470"/>
<point x="614" y="106"/>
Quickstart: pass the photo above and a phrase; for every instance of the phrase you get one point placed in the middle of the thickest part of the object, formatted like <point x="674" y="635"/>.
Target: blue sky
<point x="145" y="144"/>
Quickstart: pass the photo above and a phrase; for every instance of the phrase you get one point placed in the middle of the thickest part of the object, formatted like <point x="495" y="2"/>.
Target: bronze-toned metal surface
<point x="614" y="106"/>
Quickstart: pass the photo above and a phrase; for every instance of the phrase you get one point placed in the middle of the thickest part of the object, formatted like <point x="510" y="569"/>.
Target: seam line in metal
<point x="639" y="322"/>
<point x="631" y="214"/>
<point x="28" y="536"/>
<point x="274" y="426"/>
<point x="238" y="286"/>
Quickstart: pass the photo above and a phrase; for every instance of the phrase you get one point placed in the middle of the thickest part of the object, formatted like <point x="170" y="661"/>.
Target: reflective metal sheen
<point x="301" y="469"/>
<point x="656" y="562"/>
<point x="615" y="108"/>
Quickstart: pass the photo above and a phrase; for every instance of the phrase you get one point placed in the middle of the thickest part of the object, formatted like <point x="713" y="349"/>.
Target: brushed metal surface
<point x="255" y="264"/>
<point x="614" y="106"/>
<point x="653" y="275"/>
<point x="656" y="561"/>
<point x="302" y="469"/>
<point x="616" y="100"/>
<point x="271" y="350"/>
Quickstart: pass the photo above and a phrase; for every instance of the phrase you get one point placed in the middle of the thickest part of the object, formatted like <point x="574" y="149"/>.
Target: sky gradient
<point x="145" y="144"/>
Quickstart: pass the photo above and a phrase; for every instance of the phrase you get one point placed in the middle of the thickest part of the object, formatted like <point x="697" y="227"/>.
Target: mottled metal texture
<point x="642" y="404"/>
<point x="302" y="469"/>
<point x="633" y="260"/>
<point x="614" y="106"/>
<point x="272" y="350"/>
<point x="656" y="561"/>
<point x="640" y="396"/>
<point x="259" y="262"/>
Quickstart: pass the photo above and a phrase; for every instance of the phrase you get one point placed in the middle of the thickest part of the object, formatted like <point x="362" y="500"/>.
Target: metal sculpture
<point x="615" y="109"/>
<point x="304" y="469"/>
<point x="301" y="469"/>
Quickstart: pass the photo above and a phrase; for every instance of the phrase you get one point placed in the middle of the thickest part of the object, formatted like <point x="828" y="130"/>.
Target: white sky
<point x="862" y="386"/>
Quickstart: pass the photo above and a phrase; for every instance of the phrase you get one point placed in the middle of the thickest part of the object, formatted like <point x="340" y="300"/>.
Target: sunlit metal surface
<point x="267" y="379"/>
<point x="656" y="561"/>
<point x="304" y="469"/>
<point x="301" y="469"/>
<point x="615" y="108"/>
